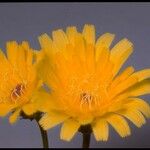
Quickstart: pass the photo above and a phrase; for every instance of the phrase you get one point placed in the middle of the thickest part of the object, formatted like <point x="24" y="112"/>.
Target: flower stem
<point x="44" y="136"/>
<point x="86" y="140"/>
<point x="37" y="116"/>
<point x="86" y="133"/>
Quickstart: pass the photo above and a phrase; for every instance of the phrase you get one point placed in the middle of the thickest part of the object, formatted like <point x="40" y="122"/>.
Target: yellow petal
<point x="38" y="56"/>
<point x="5" y="109"/>
<point x="119" y="124"/>
<point x="71" y="34"/>
<point x="129" y="82"/>
<point x="120" y="78"/>
<point x="60" y="39"/>
<point x="119" y="54"/>
<point x="134" y="116"/>
<point x="12" y="51"/>
<point x="2" y="56"/>
<point x="137" y="89"/>
<point x="43" y="101"/>
<point x="29" y="58"/>
<point x="140" y="88"/>
<point x="102" y="61"/>
<point x="140" y="105"/>
<point x="17" y="57"/>
<point x="28" y="51"/>
<point x="103" y="41"/>
<point x="100" y="130"/>
<point x="90" y="60"/>
<point x="79" y="49"/>
<point x="89" y="33"/>
<point x="45" y="43"/>
<point x="25" y="45"/>
<point x="47" y="48"/>
<point x="21" y="55"/>
<point x="52" y="119"/>
<point x="30" y="108"/>
<point x="13" y="118"/>
<point x="107" y="75"/>
<point x="68" y="129"/>
<point x="142" y="74"/>
<point x="45" y="71"/>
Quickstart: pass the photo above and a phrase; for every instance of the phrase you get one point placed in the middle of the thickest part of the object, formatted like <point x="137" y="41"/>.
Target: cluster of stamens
<point x="17" y="92"/>
<point x="86" y="99"/>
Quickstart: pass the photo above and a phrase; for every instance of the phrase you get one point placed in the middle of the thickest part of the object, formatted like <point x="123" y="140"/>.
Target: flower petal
<point x="46" y="73"/>
<point x="135" y="116"/>
<point x="43" y="101"/>
<point x="139" y="104"/>
<point x="13" y="118"/>
<point x="103" y="41"/>
<point x="52" y="119"/>
<point x="119" y="124"/>
<point x="71" y="33"/>
<point x="100" y="130"/>
<point x="142" y="74"/>
<point x="45" y="41"/>
<point x="79" y="48"/>
<point x="30" y="108"/>
<point x="12" y="52"/>
<point x="68" y="129"/>
<point x="123" y="86"/>
<point x="119" y="54"/>
<point x="139" y="89"/>
<point x="2" y="56"/>
<point x="89" y="34"/>
<point x="122" y="76"/>
<point x="28" y="51"/>
<point x="60" y="39"/>
<point x="102" y="60"/>
<point x="5" y="109"/>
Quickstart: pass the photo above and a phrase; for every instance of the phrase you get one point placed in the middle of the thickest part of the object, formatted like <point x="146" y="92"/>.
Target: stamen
<point x="17" y="91"/>
<point x="86" y="98"/>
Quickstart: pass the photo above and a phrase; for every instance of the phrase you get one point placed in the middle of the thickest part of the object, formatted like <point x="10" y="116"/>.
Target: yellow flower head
<point x="86" y="85"/>
<point x="18" y="80"/>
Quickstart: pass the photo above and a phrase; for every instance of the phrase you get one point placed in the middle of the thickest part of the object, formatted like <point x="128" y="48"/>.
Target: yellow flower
<point x="86" y="86"/>
<point x="18" y="80"/>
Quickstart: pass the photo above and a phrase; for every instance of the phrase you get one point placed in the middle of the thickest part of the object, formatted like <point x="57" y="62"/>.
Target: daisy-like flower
<point x="86" y="87"/>
<point x="18" y="80"/>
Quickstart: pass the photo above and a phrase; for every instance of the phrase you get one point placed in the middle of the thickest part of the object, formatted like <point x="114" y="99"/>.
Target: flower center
<point x="18" y="91"/>
<point x="86" y="99"/>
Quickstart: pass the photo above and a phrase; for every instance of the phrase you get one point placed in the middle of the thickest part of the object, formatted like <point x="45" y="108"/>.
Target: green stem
<point x="86" y="133"/>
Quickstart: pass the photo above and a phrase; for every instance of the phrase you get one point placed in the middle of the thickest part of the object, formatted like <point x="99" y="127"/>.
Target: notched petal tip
<point x="69" y="129"/>
<point x="89" y="33"/>
<point x="100" y="129"/>
<point x="43" y="123"/>
<point x="52" y="119"/>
